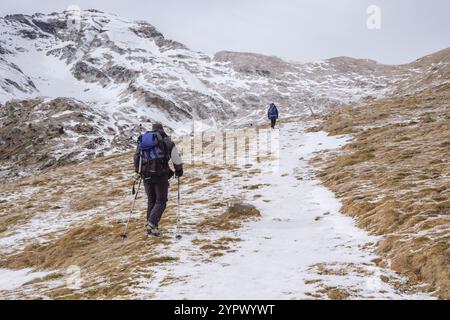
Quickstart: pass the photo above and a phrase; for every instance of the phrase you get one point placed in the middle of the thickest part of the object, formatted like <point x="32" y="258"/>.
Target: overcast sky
<point x="300" y="30"/>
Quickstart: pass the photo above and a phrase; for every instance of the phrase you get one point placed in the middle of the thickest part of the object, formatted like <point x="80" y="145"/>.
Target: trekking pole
<point x="135" y="193"/>
<point x="177" y="233"/>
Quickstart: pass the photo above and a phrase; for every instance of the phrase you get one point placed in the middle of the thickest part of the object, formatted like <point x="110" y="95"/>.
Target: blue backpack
<point x="273" y="112"/>
<point x="153" y="154"/>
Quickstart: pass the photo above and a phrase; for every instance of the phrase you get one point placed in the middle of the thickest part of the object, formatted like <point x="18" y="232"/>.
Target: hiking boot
<point x="152" y="230"/>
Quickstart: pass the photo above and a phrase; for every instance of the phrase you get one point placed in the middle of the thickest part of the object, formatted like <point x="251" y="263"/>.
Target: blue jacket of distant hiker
<point x="272" y="113"/>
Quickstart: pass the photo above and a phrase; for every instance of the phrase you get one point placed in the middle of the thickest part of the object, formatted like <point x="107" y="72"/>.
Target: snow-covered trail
<point x="300" y="248"/>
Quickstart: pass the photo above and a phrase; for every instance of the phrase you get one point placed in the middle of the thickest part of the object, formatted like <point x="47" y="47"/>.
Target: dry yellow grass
<point x="95" y="246"/>
<point x="232" y="218"/>
<point x="337" y="293"/>
<point x="394" y="179"/>
<point x="99" y="190"/>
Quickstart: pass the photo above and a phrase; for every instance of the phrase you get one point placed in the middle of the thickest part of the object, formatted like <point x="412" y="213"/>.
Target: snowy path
<point x="301" y="226"/>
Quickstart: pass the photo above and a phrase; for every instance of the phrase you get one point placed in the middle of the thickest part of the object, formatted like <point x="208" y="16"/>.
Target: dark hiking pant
<point x="273" y="122"/>
<point x="157" y="199"/>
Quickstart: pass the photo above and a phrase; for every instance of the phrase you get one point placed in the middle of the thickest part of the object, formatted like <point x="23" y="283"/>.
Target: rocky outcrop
<point x="257" y="64"/>
<point x="36" y="135"/>
<point x="13" y="82"/>
<point x="145" y="30"/>
<point x="87" y="72"/>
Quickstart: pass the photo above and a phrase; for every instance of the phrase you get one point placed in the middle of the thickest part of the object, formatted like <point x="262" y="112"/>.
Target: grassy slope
<point x="394" y="179"/>
<point x="93" y="198"/>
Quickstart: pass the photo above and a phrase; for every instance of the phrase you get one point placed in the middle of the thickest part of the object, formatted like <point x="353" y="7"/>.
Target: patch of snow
<point x="13" y="279"/>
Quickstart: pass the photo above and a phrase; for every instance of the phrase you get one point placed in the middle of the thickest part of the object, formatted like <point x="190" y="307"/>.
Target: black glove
<point x="178" y="170"/>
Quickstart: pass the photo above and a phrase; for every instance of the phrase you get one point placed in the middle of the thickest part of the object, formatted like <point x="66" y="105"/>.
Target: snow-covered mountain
<point x="127" y="73"/>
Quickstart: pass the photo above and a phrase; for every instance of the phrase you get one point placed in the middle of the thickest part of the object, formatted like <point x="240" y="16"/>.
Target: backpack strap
<point x="168" y="146"/>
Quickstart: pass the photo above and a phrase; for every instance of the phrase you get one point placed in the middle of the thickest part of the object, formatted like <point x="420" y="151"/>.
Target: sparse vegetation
<point x="394" y="179"/>
<point x="101" y="190"/>
<point x="232" y="218"/>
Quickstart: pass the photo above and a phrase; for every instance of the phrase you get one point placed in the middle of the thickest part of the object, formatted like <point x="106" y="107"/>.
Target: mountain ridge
<point x="130" y="74"/>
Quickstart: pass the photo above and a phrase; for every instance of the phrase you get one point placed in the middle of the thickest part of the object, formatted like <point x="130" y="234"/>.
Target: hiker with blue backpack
<point x="151" y="162"/>
<point x="272" y="114"/>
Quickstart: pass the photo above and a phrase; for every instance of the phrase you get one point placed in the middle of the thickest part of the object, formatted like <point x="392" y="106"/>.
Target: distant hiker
<point x="151" y="162"/>
<point x="272" y="114"/>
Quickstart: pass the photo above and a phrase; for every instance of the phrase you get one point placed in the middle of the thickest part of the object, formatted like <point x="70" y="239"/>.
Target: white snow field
<point x="280" y="257"/>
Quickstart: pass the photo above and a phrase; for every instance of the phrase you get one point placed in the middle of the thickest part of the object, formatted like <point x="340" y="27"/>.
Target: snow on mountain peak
<point x="130" y="74"/>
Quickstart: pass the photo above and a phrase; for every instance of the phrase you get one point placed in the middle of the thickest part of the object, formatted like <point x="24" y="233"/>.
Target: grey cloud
<point x="302" y="30"/>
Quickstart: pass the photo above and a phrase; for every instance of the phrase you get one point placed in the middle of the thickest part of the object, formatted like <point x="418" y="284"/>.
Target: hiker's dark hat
<point x="157" y="126"/>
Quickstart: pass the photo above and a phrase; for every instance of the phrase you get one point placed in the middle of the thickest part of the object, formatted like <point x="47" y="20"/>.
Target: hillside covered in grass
<point x="393" y="178"/>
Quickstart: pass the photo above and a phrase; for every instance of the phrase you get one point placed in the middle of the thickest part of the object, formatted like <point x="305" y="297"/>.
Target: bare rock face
<point x="252" y="63"/>
<point x="121" y="74"/>
<point x="14" y="82"/>
<point x="3" y="50"/>
<point x="36" y="135"/>
<point x="51" y="26"/>
<point x="145" y="30"/>
<point x="83" y="71"/>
